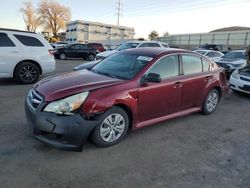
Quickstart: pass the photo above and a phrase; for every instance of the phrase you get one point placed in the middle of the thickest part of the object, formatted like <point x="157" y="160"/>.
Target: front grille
<point x="34" y="99"/>
<point x="245" y="88"/>
<point x="245" y="79"/>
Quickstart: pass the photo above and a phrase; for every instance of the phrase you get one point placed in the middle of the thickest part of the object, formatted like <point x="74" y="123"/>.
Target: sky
<point x="172" y="16"/>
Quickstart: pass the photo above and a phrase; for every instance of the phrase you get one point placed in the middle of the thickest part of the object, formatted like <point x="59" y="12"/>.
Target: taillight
<point x="51" y="52"/>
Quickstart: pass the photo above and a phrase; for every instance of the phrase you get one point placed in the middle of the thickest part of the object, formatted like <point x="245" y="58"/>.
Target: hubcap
<point x="212" y="101"/>
<point x="28" y="73"/>
<point x="91" y="57"/>
<point x="112" y="127"/>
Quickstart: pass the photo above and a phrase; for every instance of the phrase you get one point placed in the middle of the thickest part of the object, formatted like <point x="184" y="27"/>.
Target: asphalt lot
<point x="194" y="151"/>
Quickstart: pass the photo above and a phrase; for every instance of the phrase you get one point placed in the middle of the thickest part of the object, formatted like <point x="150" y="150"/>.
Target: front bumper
<point x="63" y="132"/>
<point x="239" y="85"/>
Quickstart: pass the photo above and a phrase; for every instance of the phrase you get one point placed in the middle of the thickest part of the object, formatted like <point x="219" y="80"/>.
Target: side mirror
<point x="153" y="77"/>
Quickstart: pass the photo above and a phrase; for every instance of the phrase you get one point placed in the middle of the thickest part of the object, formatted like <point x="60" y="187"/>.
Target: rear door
<point x="9" y="54"/>
<point x="160" y="99"/>
<point x="195" y="79"/>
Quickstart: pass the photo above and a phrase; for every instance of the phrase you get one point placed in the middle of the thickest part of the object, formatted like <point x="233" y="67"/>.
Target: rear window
<point x="29" y="41"/>
<point x="191" y="64"/>
<point x="5" y="41"/>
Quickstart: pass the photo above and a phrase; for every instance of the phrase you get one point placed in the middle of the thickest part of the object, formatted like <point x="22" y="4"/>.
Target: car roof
<point x="153" y="51"/>
<point x="145" y="41"/>
<point x="15" y="30"/>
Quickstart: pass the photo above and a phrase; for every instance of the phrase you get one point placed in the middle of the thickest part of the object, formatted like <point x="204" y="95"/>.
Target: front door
<point x="10" y="54"/>
<point x="160" y="99"/>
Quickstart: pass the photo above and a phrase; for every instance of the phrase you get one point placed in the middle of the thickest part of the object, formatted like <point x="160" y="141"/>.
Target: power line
<point x="118" y="11"/>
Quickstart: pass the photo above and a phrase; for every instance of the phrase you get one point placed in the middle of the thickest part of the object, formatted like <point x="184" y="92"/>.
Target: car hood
<point x="66" y="84"/>
<point x="231" y="60"/>
<point x="107" y="53"/>
<point x="86" y="65"/>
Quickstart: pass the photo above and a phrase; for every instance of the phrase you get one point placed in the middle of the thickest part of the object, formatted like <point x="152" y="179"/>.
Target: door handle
<point x="14" y="52"/>
<point x="177" y="85"/>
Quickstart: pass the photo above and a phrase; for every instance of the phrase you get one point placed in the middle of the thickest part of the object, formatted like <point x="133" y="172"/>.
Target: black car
<point x="76" y="51"/>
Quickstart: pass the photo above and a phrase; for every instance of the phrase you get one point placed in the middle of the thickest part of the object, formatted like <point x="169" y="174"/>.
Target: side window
<point x="206" y="65"/>
<point x="29" y="41"/>
<point x="143" y="45"/>
<point x="210" y="54"/>
<point x="5" y="41"/>
<point x="153" y="45"/>
<point x="216" y="54"/>
<point x="84" y="47"/>
<point x="191" y="64"/>
<point x="166" y="67"/>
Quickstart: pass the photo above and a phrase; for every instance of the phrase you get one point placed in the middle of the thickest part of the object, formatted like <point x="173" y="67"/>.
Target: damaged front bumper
<point x="60" y="131"/>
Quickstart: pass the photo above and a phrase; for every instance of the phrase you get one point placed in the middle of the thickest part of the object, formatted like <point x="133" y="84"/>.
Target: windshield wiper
<point x="107" y="74"/>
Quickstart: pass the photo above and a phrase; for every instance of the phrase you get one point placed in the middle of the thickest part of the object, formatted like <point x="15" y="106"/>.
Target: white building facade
<point x="85" y="31"/>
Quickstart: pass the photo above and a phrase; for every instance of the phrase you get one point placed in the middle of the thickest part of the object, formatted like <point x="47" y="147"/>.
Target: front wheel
<point x="211" y="102"/>
<point x="113" y="127"/>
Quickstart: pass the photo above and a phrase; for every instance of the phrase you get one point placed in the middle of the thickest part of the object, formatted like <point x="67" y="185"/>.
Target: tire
<point x="211" y="102"/>
<point x="62" y="56"/>
<point x="112" y="133"/>
<point x="91" y="57"/>
<point x="27" y="73"/>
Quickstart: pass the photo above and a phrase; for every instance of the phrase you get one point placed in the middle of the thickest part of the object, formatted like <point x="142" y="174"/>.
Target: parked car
<point x="128" y="90"/>
<point x="216" y="47"/>
<point x="233" y="60"/>
<point x="75" y="51"/>
<point x="58" y="44"/>
<point x="211" y="54"/>
<point x="132" y="44"/>
<point x="98" y="46"/>
<point x="240" y="80"/>
<point x="24" y="55"/>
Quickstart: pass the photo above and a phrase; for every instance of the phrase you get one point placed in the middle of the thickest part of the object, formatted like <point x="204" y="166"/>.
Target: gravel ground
<point x="194" y="151"/>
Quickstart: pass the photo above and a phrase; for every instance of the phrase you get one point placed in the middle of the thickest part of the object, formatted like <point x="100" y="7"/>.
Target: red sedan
<point x="128" y="90"/>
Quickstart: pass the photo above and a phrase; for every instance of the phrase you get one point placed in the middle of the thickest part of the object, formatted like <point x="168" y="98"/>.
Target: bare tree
<point x="30" y="16"/>
<point x="153" y="35"/>
<point x="166" y="34"/>
<point x="54" y="15"/>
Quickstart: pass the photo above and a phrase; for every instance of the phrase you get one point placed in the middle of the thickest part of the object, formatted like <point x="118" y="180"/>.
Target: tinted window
<point x="191" y="64"/>
<point x="165" y="45"/>
<point x="210" y="54"/>
<point x="84" y="47"/>
<point x="149" y="45"/>
<point x="128" y="46"/>
<point x="5" y="41"/>
<point x="76" y="46"/>
<point x="166" y="67"/>
<point x="206" y="65"/>
<point x="29" y="41"/>
<point x="216" y="54"/>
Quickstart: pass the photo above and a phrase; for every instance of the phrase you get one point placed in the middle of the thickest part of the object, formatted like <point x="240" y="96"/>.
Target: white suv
<point x="132" y="44"/>
<point x="24" y="55"/>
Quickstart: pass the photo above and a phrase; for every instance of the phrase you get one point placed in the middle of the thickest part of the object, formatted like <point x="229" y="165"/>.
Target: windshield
<point x="235" y="55"/>
<point x="128" y="45"/>
<point x="122" y="65"/>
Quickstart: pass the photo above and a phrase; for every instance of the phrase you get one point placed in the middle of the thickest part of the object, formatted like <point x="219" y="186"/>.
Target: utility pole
<point x="118" y="11"/>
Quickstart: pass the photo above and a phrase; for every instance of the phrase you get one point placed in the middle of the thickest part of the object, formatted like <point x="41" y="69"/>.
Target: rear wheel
<point x="62" y="56"/>
<point x="112" y="128"/>
<point x="211" y="102"/>
<point x="91" y="57"/>
<point x="27" y="73"/>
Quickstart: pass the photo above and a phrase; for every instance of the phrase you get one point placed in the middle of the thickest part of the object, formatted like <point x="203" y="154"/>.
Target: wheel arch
<point x="129" y="112"/>
<point x="30" y="61"/>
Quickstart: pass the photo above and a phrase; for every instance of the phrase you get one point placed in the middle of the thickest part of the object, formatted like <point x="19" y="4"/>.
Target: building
<point x="85" y="31"/>
<point x="233" y="39"/>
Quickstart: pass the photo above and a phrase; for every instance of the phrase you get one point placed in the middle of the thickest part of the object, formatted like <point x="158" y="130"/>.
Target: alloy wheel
<point x="28" y="73"/>
<point x="212" y="101"/>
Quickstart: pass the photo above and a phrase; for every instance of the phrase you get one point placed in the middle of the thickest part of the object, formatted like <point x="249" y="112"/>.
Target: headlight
<point x="235" y="74"/>
<point x="67" y="105"/>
